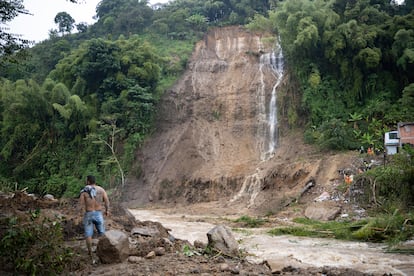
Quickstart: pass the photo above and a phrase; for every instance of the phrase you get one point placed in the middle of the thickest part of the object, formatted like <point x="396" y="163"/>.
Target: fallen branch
<point x="307" y="187"/>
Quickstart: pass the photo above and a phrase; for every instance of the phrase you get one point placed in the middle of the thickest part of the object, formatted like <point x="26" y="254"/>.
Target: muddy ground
<point x="176" y="261"/>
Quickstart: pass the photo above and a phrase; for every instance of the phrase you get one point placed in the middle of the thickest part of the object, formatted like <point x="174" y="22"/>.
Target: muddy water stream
<point x="288" y="250"/>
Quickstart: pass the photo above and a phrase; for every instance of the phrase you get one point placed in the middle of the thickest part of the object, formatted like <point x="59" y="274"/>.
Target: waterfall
<point x="267" y="128"/>
<point x="277" y="64"/>
<point x="251" y="186"/>
<point x="267" y="131"/>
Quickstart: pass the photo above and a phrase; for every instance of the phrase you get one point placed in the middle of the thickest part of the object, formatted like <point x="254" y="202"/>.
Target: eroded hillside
<point x="213" y="140"/>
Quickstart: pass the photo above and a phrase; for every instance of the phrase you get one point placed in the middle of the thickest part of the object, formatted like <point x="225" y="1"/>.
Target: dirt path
<point x="297" y="251"/>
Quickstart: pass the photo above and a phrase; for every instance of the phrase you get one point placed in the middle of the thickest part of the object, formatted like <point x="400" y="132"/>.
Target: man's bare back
<point x="95" y="204"/>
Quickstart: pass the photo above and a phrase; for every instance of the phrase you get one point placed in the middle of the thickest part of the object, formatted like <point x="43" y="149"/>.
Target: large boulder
<point x="221" y="239"/>
<point x="113" y="247"/>
<point x="146" y="231"/>
<point x="323" y="211"/>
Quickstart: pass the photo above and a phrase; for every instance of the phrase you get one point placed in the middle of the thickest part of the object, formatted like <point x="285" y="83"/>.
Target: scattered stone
<point x="113" y="247"/>
<point x="195" y="270"/>
<point x="222" y="239"/>
<point x="171" y="238"/>
<point x="134" y="259"/>
<point x="323" y="211"/>
<point x="275" y="266"/>
<point x="168" y="242"/>
<point x="132" y="241"/>
<point x="323" y="197"/>
<point x="159" y="251"/>
<point x="220" y="259"/>
<point x="224" y="267"/>
<point x="290" y="268"/>
<point x="235" y="270"/>
<point x="49" y="197"/>
<point x="199" y="244"/>
<point x="150" y="255"/>
<point x="145" y="231"/>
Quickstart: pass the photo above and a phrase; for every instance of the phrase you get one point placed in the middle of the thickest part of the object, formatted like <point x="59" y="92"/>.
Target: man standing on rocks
<point x="92" y="198"/>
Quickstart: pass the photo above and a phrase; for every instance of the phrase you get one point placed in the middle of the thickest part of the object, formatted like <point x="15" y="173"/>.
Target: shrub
<point x="390" y="228"/>
<point x="34" y="246"/>
<point x="388" y="187"/>
<point x="250" y="222"/>
<point x="336" y="135"/>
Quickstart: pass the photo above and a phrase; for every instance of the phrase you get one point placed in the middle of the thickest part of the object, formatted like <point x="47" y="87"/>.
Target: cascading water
<point x="267" y="129"/>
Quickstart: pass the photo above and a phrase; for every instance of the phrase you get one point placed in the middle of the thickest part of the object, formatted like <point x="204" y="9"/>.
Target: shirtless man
<point x="91" y="199"/>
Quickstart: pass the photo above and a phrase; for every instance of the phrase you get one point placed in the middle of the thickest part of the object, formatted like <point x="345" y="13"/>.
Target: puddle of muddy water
<point x="296" y="251"/>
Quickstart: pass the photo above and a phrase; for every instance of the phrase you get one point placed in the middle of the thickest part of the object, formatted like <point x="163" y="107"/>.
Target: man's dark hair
<point x="91" y="179"/>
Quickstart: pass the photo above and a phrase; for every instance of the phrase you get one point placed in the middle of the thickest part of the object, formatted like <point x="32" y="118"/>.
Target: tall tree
<point x="10" y="42"/>
<point x="26" y="120"/>
<point x="65" y="22"/>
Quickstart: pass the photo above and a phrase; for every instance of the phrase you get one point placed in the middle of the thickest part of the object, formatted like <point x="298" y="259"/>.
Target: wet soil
<point x="176" y="261"/>
<point x="281" y="252"/>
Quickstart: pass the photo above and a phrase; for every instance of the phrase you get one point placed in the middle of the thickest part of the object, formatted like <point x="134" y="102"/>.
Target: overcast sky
<point x="36" y="27"/>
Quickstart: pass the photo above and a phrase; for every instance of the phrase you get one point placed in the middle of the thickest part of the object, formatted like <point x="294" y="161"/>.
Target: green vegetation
<point x="313" y="228"/>
<point x="354" y="64"/>
<point x="65" y="22"/>
<point x="390" y="228"/>
<point x="10" y="43"/>
<point x="388" y="197"/>
<point x="190" y="251"/>
<point x="350" y="64"/>
<point x="59" y="104"/>
<point x="35" y="247"/>
<point x="248" y="221"/>
<point x="243" y="231"/>
<point x="389" y="187"/>
<point x="82" y="103"/>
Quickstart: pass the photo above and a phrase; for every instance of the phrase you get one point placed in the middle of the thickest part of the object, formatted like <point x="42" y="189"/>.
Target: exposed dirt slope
<point x="207" y="144"/>
<point x="206" y="125"/>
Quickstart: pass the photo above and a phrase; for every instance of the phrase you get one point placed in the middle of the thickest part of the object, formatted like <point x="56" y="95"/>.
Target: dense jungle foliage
<point x="354" y="61"/>
<point x="81" y="103"/>
<point x="356" y="65"/>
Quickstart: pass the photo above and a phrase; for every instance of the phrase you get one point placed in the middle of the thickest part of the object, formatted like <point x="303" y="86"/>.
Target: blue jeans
<point x="93" y="218"/>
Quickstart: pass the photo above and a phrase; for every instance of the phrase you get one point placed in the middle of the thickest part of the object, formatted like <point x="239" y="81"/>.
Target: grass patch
<point x="242" y="231"/>
<point x="314" y="228"/>
<point x="250" y="222"/>
<point x="390" y="228"/>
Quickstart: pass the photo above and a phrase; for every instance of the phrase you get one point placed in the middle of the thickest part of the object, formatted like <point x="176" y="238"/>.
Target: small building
<point x="391" y="142"/>
<point x="404" y="135"/>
